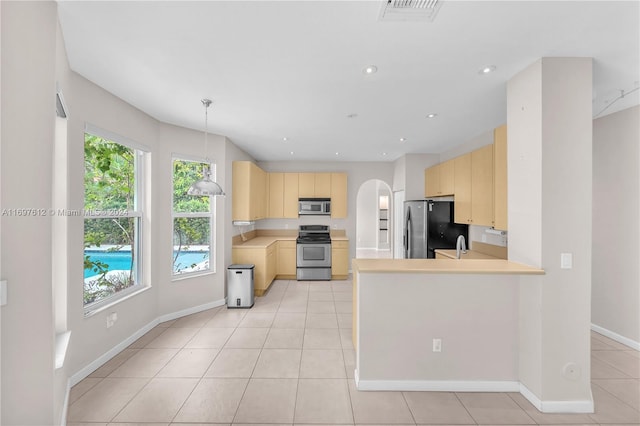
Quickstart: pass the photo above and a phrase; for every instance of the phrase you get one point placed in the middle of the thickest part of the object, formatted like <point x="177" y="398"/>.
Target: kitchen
<point x="92" y="344"/>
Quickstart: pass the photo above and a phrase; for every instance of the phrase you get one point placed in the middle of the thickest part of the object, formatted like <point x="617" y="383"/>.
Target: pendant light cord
<point x="206" y="103"/>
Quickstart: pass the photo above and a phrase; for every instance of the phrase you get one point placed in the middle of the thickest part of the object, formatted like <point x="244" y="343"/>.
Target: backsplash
<point x="478" y="233"/>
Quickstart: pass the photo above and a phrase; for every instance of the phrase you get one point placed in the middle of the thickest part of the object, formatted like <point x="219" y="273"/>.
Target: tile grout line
<point x="203" y="373"/>
<point x="465" y="408"/>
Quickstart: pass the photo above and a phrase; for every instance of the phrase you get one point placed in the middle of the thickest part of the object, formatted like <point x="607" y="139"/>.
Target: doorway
<point x="374" y="220"/>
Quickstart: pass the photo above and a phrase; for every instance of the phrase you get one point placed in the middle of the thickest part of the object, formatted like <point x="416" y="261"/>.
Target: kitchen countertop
<point x="264" y="241"/>
<point x="470" y="254"/>
<point x="444" y="266"/>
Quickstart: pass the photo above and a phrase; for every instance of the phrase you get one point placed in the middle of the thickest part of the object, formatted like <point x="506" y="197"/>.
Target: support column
<point x="549" y="118"/>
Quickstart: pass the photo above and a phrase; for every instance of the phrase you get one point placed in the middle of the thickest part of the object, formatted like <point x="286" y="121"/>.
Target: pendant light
<point x="205" y="186"/>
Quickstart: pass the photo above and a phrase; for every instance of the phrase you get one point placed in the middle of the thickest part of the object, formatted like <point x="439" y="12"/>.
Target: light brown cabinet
<point x="473" y="187"/>
<point x="265" y="261"/>
<point x="500" y="178"/>
<point x="290" y="196"/>
<point x="286" y="259"/>
<point x="339" y="259"/>
<point x="439" y="179"/>
<point x="258" y="194"/>
<point x="314" y="185"/>
<point x="482" y="186"/>
<point x="283" y="195"/>
<point x="276" y="195"/>
<point x="249" y="191"/>
<point x="306" y="185"/>
<point x="338" y="195"/>
<point x="322" y="185"/>
<point x="462" y="189"/>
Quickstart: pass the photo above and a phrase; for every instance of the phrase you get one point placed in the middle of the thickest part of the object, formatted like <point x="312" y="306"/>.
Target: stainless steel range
<point x="313" y="258"/>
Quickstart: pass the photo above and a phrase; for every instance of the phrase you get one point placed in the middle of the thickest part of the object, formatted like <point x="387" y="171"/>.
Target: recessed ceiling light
<point x="384" y="154"/>
<point x="285" y="139"/>
<point x="432" y="115"/>
<point x="402" y="139"/>
<point x="291" y="153"/>
<point x="337" y="153"/>
<point x="487" y="69"/>
<point x="371" y="69"/>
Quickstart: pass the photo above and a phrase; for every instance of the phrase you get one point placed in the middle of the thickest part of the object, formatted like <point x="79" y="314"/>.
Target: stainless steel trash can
<point x="240" y="286"/>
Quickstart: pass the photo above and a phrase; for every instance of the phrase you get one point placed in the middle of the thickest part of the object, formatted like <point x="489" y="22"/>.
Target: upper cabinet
<point x="249" y="191"/>
<point x="462" y="189"/>
<point x="306" y="185"/>
<point x="500" y="178"/>
<point x="478" y="182"/>
<point x="473" y="187"/>
<point x="290" y="196"/>
<point x="276" y="195"/>
<point x="438" y="180"/>
<point x="338" y="195"/>
<point x="482" y="186"/>
<point x="314" y="185"/>
<point x="258" y="195"/>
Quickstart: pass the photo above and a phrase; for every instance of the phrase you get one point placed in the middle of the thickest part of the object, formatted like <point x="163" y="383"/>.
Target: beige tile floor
<point x="289" y="360"/>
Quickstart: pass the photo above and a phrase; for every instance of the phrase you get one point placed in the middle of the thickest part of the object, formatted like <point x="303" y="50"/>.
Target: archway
<point x="374" y="220"/>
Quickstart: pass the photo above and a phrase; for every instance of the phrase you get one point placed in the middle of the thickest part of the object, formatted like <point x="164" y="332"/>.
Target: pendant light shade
<point x="205" y="186"/>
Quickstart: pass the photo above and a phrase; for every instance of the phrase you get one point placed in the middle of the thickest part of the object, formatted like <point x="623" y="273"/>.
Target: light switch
<point x="3" y="292"/>
<point x="566" y="261"/>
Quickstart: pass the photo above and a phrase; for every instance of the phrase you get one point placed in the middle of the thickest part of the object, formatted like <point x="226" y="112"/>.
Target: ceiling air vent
<point x="409" y="10"/>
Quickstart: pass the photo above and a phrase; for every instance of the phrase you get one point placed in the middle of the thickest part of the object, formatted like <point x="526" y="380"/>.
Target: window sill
<point x="62" y="343"/>
<point x="92" y="312"/>
<point x="183" y="277"/>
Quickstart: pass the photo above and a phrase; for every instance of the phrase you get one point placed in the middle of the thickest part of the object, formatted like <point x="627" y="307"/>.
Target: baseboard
<point x="438" y="385"/>
<point x="557" y="407"/>
<point x="104" y="358"/>
<point x="615" y="336"/>
<point x="189" y="311"/>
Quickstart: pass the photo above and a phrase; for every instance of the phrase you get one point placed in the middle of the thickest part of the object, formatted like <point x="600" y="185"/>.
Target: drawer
<point x="339" y="244"/>
<point x="286" y="244"/>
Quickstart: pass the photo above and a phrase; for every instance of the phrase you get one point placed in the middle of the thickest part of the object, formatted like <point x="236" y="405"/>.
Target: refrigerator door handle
<point x="407" y="233"/>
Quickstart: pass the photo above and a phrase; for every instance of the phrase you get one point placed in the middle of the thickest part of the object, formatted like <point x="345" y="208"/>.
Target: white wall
<point x="414" y="165"/>
<point x="28" y="112"/>
<point x="616" y="226"/>
<point x="549" y="159"/>
<point x="367" y="215"/>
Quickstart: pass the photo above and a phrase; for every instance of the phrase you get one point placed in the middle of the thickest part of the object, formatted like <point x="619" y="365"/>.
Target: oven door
<point x="313" y="255"/>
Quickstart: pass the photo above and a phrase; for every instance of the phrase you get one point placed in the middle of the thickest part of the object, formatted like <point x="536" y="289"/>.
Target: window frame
<point x="210" y="214"/>
<point x="141" y="152"/>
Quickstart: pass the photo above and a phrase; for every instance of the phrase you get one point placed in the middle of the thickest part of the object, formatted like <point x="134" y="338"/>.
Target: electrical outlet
<point x="111" y="319"/>
<point x="437" y="345"/>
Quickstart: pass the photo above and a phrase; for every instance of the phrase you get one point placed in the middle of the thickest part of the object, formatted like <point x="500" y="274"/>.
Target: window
<point x="112" y="220"/>
<point x="192" y="221"/>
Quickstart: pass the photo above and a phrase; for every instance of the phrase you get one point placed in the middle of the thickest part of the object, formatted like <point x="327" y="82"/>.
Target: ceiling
<point x="294" y="69"/>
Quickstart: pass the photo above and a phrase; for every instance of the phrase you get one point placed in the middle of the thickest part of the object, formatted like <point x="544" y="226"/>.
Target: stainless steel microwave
<point x="314" y="206"/>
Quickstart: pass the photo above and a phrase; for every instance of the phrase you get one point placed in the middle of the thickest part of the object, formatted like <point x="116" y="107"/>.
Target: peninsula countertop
<point x="444" y="266"/>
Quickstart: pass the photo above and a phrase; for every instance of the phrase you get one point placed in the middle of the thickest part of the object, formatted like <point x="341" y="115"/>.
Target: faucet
<point x="461" y="246"/>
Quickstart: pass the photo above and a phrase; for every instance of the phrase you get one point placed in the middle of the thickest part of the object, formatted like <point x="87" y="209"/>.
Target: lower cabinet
<point x="286" y="260"/>
<point x="339" y="259"/>
<point x="265" y="261"/>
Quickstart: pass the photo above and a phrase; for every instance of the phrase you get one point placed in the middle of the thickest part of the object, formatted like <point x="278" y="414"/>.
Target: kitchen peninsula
<point x="437" y="324"/>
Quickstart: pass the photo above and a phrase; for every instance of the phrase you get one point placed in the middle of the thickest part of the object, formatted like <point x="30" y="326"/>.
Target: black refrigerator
<point x="428" y="225"/>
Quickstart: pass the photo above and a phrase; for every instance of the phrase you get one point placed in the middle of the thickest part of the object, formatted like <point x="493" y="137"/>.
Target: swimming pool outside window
<point x="113" y="187"/>
<point x="192" y="221"/>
